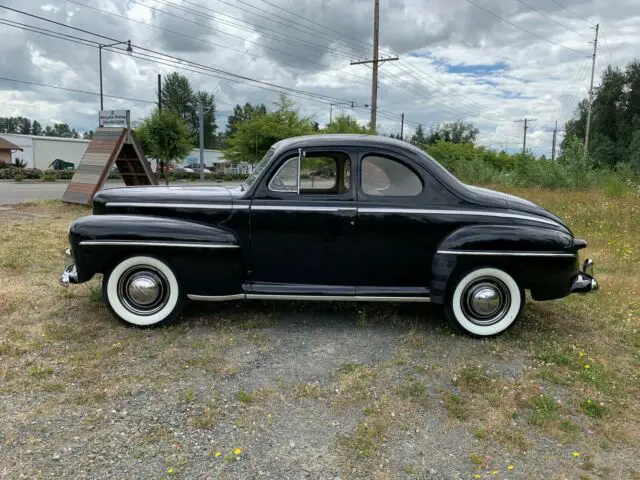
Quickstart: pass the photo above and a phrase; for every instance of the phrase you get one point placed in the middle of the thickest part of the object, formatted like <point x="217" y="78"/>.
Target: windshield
<point x="257" y="171"/>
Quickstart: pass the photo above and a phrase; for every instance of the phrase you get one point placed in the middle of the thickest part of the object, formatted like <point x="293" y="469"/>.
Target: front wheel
<point x="484" y="302"/>
<point x="143" y="291"/>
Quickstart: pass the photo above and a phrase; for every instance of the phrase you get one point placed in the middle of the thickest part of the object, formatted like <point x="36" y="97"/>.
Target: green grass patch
<point x="544" y="409"/>
<point x="244" y="396"/>
<point x="474" y="379"/>
<point x="594" y="409"/>
<point x="456" y="406"/>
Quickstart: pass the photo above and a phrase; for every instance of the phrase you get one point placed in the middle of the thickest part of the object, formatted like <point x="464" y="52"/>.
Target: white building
<point x="39" y="152"/>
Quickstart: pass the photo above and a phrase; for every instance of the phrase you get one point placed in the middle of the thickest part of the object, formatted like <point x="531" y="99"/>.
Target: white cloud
<point x="539" y="80"/>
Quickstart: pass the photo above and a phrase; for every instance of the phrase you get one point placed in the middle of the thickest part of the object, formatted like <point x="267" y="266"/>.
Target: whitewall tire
<point x="143" y="291"/>
<point x="484" y="302"/>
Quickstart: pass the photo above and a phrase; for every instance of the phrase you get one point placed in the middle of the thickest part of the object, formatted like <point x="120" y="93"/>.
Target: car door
<point x="303" y="225"/>
<point x="397" y="237"/>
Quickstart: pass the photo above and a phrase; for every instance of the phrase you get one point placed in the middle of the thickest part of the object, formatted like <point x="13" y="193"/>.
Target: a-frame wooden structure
<point x="109" y="147"/>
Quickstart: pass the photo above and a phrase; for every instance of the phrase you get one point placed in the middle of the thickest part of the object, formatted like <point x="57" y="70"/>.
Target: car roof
<point x="343" y="139"/>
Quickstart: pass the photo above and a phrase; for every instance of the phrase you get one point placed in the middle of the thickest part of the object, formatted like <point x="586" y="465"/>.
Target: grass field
<point x="556" y="397"/>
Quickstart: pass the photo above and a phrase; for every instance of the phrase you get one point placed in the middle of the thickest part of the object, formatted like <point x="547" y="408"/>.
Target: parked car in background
<point x="384" y="222"/>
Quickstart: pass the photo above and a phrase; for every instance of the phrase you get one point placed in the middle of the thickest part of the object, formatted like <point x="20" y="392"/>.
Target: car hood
<point x="492" y="198"/>
<point x="161" y="194"/>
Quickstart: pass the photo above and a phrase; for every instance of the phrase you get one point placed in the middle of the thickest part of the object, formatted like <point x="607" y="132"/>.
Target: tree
<point x="36" y="128"/>
<point x="345" y="124"/>
<point x="243" y="113"/>
<point x="253" y="137"/>
<point x="418" y="139"/>
<point x="454" y="132"/>
<point x="615" y="117"/>
<point x="166" y="136"/>
<point x="87" y="135"/>
<point x="209" y="118"/>
<point x="178" y="96"/>
<point x="24" y="126"/>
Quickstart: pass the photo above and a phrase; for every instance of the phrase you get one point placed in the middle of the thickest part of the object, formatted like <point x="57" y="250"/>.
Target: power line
<point x="571" y="11"/>
<point x="75" y="90"/>
<point x="222" y="72"/>
<point x="550" y="18"/>
<point x="288" y="23"/>
<point x="367" y="45"/>
<point x="521" y="28"/>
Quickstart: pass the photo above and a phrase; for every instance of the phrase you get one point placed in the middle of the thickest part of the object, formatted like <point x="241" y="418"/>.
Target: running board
<point x="321" y="298"/>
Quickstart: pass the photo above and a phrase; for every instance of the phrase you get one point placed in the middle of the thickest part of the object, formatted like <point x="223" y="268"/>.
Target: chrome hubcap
<point x="486" y="301"/>
<point x="143" y="290"/>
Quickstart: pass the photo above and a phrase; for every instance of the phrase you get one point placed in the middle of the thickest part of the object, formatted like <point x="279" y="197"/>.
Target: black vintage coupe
<point x="331" y="218"/>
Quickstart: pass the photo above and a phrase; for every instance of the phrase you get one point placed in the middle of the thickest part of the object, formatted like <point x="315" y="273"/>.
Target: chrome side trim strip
<point x="136" y="243"/>
<point x="506" y="254"/>
<point x="296" y="208"/>
<point x="477" y="213"/>
<point x="200" y="206"/>
<point x="337" y="298"/>
<point x="216" y="298"/>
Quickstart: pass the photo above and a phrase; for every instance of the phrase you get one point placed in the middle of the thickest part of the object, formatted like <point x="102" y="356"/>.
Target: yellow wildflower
<point x="587" y="366"/>
<point x="581" y="354"/>
<point x="171" y="471"/>
<point x="237" y="451"/>
<point x="576" y="454"/>
<point x="218" y="454"/>
<point x="477" y="475"/>
<point x="510" y="467"/>
<point x="495" y="472"/>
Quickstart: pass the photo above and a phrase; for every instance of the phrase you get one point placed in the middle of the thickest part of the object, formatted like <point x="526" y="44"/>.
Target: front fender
<point x="539" y="258"/>
<point x="206" y="258"/>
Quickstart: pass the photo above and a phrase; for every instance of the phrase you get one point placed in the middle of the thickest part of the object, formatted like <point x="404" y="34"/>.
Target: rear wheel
<point x="143" y="291"/>
<point x="484" y="302"/>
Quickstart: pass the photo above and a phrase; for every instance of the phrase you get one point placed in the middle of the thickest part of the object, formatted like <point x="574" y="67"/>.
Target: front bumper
<point x="584" y="282"/>
<point x="70" y="273"/>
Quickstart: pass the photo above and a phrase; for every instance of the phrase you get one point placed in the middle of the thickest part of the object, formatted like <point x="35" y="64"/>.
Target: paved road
<point x="21" y="192"/>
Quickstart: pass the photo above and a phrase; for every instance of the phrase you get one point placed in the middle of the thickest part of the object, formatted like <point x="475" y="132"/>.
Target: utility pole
<point x="593" y="68"/>
<point x="553" y="147"/>
<point x="402" y="126"/>
<point x="201" y="112"/>
<point x="526" y="126"/>
<point x="330" y="114"/>
<point x="376" y="60"/>
<point x="159" y="96"/>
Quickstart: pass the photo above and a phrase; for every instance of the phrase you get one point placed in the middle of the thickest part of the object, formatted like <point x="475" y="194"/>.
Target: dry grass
<point x="576" y="360"/>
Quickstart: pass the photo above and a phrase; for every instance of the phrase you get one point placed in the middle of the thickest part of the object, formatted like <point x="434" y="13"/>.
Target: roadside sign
<point x="114" y="118"/>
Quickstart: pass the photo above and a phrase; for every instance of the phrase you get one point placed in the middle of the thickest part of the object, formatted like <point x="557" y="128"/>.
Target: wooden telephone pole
<point x="593" y="67"/>
<point x="375" y="61"/>
<point x="526" y="126"/>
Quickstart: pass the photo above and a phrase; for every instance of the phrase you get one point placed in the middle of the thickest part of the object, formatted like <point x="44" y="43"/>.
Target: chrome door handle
<point x="347" y="209"/>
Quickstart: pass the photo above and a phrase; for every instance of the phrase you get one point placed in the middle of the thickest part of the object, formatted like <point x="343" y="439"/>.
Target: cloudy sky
<point x="490" y="62"/>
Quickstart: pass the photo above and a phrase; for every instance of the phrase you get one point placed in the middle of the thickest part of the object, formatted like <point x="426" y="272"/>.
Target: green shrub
<point x="614" y="187"/>
<point x="18" y="178"/>
<point x="48" y="176"/>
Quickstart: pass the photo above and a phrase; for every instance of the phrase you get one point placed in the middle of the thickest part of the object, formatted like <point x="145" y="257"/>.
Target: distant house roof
<point x="7" y="145"/>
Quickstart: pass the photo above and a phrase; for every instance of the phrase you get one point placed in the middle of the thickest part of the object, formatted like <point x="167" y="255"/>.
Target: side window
<point x="320" y="173"/>
<point x="383" y="176"/>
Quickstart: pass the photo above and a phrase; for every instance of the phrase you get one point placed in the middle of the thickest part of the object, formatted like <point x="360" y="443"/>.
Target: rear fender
<point x="207" y="259"/>
<point x="537" y="257"/>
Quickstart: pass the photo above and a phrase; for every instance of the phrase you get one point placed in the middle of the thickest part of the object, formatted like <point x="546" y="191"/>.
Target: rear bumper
<point x="70" y="273"/>
<point x="584" y="282"/>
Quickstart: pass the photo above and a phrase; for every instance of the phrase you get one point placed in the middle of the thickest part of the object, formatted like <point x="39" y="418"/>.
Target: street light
<point x="100" y="47"/>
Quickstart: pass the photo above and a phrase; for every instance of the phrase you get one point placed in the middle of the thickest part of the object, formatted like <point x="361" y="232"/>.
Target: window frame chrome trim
<point x="505" y="253"/>
<point x="151" y="243"/>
